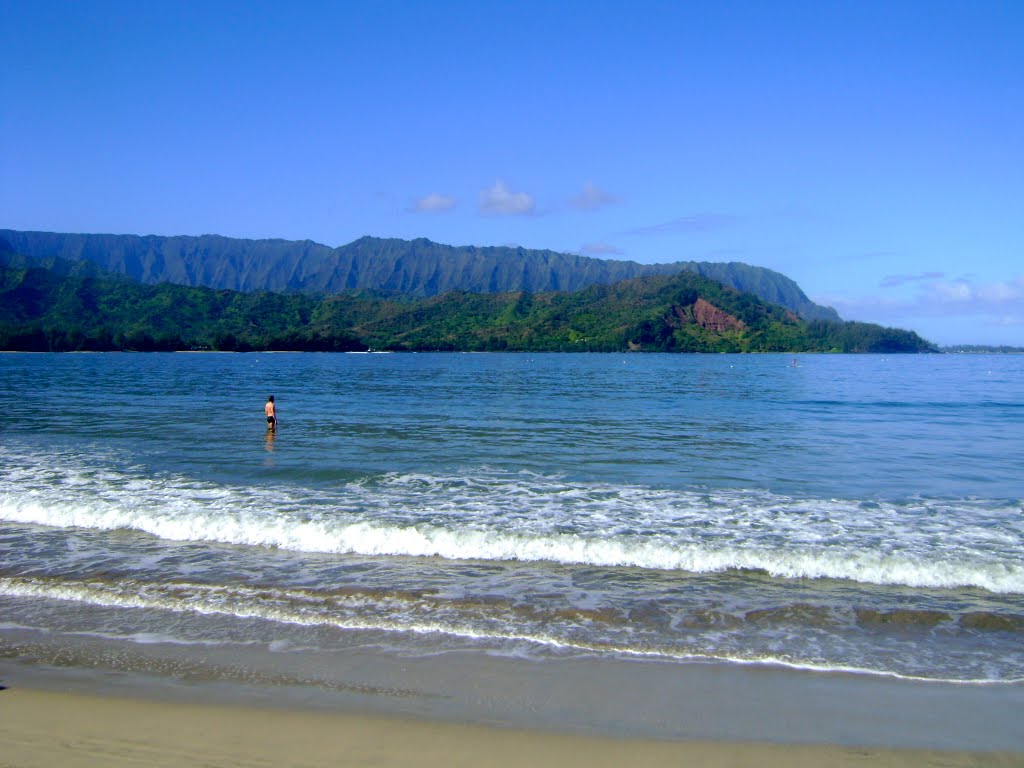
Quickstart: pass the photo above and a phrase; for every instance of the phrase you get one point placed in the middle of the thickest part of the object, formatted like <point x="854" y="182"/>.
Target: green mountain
<point x="59" y="305"/>
<point x="418" y="268"/>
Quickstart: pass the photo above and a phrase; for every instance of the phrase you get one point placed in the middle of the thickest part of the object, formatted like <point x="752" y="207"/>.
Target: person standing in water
<point x="271" y="410"/>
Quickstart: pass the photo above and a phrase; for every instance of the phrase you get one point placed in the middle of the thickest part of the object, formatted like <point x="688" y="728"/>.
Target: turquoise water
<point x="857" y="513"/>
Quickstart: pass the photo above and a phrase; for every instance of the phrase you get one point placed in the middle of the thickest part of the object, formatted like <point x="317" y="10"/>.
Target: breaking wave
<point x="501" y="516"/>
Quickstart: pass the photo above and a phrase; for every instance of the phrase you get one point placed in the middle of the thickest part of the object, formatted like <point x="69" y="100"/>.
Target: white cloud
<point x="601" y="249"/>
<point x="966" y="296"/>
<point x="993" y="303"/>
<point x="959" y="310"/>
<point x="591" y="198"/>
<point x="433" y="203"/>
<point x="499" y="200"/>
<point x="1011" y="292"/>
<point x="893" y="281"/>
<point x="701" y="222"/>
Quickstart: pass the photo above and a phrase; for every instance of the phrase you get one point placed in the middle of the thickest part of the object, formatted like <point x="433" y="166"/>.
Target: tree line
<point x="60" y="306"/>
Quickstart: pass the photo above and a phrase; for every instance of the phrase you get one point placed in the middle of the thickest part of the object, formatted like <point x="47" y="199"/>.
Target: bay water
<point x="832" y="514"/>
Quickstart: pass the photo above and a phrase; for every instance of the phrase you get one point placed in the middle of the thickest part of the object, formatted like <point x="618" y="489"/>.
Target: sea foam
<point x="288" y="607"/>
<point x="500" y="516"/>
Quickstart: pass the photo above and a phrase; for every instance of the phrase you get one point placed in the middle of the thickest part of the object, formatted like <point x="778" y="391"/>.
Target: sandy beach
<point x="40" y="728"/>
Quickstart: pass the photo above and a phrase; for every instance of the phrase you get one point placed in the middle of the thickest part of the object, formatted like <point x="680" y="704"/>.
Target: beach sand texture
<point x="72" y="730"/>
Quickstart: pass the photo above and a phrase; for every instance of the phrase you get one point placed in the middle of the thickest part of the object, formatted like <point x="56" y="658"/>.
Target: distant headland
<point x="124" y="292"/>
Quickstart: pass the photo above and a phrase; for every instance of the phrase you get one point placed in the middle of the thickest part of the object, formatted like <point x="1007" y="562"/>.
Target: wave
<point x="298" y="607"/>
<point x="497" y="516"/>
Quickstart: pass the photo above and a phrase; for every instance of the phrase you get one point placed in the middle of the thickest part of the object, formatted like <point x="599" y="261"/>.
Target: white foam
<point x="526" y="517"/>
<point x="238" y="602"/>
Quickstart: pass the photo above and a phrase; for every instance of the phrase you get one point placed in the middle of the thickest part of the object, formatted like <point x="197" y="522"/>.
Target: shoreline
<point x="43" y="728"/>
<point x="599" y="698"/>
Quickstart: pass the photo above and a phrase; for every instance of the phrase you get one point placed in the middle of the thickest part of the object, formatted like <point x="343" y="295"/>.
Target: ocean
<point x="852" y="515"/>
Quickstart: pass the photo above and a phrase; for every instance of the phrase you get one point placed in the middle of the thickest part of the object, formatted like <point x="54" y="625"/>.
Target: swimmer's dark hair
<point x="271" y="398"/>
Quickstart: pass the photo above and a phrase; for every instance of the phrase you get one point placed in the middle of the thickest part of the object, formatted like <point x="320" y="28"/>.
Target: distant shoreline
<point x="980" y="349"/>
<point x="941" y="351"/>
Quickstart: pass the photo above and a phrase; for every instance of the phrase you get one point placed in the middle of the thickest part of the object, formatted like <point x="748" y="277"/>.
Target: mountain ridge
<point x="419" y="267"/>
<point x="55" y="305"/>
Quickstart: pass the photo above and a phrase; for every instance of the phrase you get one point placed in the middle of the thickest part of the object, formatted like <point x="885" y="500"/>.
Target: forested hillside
<point x="58" y="305"/>
<point x="418" y="268"/>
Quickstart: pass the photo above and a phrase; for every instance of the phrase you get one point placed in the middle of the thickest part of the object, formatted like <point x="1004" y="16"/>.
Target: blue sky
<point x="872" y="151"/>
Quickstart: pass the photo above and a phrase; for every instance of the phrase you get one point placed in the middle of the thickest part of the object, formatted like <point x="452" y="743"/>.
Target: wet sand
<point x="45" y="728"/>
<point x="587" y="700"/>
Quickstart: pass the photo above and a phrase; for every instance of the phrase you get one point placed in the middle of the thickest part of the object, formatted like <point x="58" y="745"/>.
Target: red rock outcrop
<point x="711" y="318"/>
